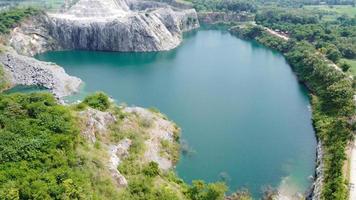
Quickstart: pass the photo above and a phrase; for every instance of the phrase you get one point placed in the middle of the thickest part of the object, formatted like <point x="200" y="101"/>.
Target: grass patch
<point x="333" y="12"/>
<point x="352" y="63"/>
<point x="170" y="150"/>
<point x="4" y="84"/>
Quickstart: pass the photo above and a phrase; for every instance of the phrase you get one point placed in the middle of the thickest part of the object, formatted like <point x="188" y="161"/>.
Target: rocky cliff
<point x="106" y="25"/>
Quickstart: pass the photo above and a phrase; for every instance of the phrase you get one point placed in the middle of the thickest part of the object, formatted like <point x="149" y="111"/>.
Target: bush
<point x="37" y="158"/>
<point x="345" y="67"/>
<point x="201" y="191"/>
<point x="98" y="100"/>
<point x="151" y="170"/>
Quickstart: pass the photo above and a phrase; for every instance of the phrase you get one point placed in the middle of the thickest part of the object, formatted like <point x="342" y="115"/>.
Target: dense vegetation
<point x="336" y="39"/>
<point x="8" y="19"/>
<point x="224" y="5"/>
<point x="37" y="159"/>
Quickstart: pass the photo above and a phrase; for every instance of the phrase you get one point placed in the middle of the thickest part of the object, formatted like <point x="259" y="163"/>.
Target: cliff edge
<point x="109" y="25"/>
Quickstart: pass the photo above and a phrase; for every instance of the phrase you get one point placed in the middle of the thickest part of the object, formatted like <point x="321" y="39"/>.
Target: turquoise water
<point x="242" y="112"/>
<point x="26" y="89"/>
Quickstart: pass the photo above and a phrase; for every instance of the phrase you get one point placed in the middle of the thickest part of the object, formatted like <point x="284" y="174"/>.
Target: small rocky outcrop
<point x="117" y="153"/>
<point x="106" y="25"/>
<point x="97" y="122"/>
<point x="158" y="130"/>
<point x="153" y="126"/>
<point x="23" y="70"/>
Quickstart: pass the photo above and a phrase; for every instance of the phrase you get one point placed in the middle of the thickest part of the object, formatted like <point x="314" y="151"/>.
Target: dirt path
<point x="272" y="32"/>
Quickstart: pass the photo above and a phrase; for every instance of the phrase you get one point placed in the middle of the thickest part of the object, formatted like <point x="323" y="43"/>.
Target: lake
<point x="245" y="118"/>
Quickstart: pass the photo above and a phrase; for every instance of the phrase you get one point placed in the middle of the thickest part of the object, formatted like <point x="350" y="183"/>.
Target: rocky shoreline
<point x="316" y="188"/>
<point x="24" y="70"/>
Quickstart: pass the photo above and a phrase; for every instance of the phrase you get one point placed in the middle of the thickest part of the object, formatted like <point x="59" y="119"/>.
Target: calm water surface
<point x="242" y="112"/>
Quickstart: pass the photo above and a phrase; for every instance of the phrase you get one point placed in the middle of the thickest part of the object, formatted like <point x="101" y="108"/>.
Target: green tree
<point x="333" y="53"/>
<point x="201" y="191"/>
<point x="345" y="67"/>
<point x="98" y="100"/>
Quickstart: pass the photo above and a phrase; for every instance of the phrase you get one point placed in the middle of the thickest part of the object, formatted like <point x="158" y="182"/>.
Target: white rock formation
<point x="97" y="122"/>
<point x="117" y="153"/>
<point x="106" y="25"/>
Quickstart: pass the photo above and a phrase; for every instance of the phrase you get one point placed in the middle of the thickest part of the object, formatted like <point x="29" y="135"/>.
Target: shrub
<point x="201" y="191"/>
<point x="98" y="100"/>
<point x="151" y="170"/>
<point x="345" y="67"/>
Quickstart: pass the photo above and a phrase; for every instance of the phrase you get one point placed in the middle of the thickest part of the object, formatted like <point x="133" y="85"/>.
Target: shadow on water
<point x="26" y="89"/>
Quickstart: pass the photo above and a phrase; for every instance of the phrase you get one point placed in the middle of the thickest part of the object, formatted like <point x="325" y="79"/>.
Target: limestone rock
<point x="32" y="36"/>
<point x="160" y="129"/>
<point x="97" y="122"/>
<point x="106" y="25"/>
<point x="24" y="70"/>
<point x="117" y="153"/>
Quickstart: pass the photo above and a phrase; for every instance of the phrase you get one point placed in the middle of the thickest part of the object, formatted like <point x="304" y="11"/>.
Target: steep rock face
<point x="106" y="25"/>
<point x="32" y="36"/>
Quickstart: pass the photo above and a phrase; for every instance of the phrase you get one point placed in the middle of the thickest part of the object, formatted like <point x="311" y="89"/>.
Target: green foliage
<point x="224" y="5"/>
<point x="333" y="53"/>
<point x="42" y="153"/>
<point x="171" y="150"/>
<point x="37" y="159"/>
<point x="247" y="31"/>
<point x="151" y="169"/>
<point x="98" y="100"/>
<point x="201" y="191"/>
<point x="9" y="19"/>
<point x="334" y="87"/>
<point x="259" y="34"/>
<point x="3" y="79"/>
<point x="143" y="188"/>
<point x="337" y="36"/>
<point x="334" y="147"/>
<point x="287" y="16"/>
